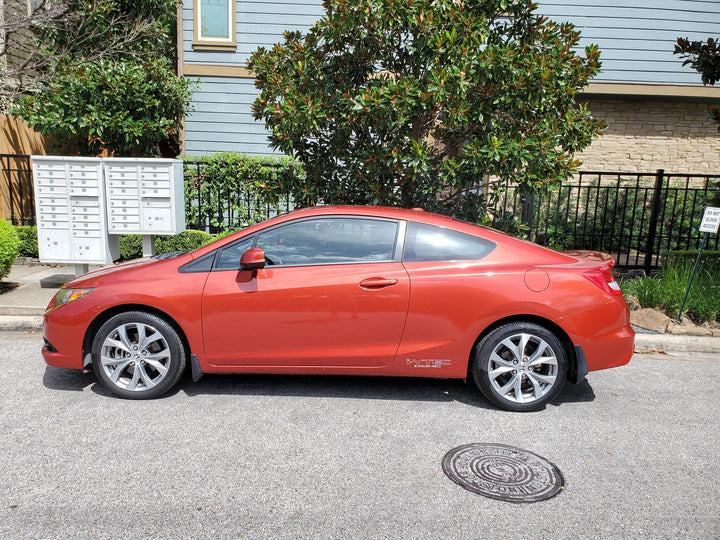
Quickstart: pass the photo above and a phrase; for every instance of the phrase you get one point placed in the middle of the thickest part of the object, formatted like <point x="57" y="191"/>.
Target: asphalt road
<point x="332" y="457"/>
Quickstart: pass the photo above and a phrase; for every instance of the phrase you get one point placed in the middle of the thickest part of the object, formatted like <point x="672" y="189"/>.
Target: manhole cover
<point x="503" y="472"/>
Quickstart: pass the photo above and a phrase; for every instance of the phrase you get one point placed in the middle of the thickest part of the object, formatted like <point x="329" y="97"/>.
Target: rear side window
<point x="431" y="243"/>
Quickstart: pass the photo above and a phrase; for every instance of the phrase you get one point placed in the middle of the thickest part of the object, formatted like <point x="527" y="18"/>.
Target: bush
<point x="184" y="241"/>
<point x="9" y="247"/>
<point x="131" y="244"/>
<point x="28" y="240"/>
<point x="123" y="105"/>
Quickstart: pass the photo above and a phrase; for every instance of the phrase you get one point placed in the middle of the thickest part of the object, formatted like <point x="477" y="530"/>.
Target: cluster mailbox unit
<point x="82" y="204"/>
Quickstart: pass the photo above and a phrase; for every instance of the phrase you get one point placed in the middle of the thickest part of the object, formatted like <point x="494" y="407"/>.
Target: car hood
<point x="96" y="277"/>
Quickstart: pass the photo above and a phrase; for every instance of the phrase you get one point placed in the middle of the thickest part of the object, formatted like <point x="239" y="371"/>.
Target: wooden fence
<point x="17" y="142"/>
<point x="16" y="137"/>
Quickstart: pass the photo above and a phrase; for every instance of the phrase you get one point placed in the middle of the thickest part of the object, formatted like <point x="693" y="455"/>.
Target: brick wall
<point x="646" y="136"/>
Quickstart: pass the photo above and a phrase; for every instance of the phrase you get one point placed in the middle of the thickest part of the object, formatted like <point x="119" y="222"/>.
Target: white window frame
<point x="213" y="43"/>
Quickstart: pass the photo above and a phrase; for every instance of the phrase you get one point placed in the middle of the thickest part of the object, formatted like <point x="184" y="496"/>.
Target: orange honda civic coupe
<point x="349" y="291"/>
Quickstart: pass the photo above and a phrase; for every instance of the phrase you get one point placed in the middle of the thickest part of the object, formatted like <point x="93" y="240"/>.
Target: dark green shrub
<point x="28" y="240"/>
<point x="223" y="234"/>
<point x="131" y="244"/>
<point x="184" y="241"/>
<point x="9" y="247"/>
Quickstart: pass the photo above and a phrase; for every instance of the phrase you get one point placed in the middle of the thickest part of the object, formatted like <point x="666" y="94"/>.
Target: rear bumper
<point x="604" y="334"/>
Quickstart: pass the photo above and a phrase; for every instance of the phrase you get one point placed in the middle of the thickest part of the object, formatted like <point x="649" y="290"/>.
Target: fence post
<point x="528" y="209"/>
<point x="656" y="203"/>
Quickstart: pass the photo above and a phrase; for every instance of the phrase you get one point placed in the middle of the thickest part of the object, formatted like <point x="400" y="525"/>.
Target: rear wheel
<point x="519" y="366"/>
<point x="138" y="355"/>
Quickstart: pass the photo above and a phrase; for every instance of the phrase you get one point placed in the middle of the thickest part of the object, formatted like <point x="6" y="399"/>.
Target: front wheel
<point x="138" y="355"/>
<point x="519" y="366"/>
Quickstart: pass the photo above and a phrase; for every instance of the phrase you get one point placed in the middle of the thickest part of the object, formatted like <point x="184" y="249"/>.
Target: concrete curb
<point x="675" y="343"/>
<point x="21" y="323"/>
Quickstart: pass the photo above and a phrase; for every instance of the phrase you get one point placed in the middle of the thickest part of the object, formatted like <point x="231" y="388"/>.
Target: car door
<point x="452" y="289"/>
<point x="333" y="293"/>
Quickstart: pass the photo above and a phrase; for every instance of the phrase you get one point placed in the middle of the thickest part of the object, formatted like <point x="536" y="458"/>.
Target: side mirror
<point x="252" y="259"/>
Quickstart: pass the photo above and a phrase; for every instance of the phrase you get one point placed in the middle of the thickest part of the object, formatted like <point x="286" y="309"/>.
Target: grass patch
<point x="666" y="291"/>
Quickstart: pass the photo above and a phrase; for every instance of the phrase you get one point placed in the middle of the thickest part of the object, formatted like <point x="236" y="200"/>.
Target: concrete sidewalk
<point x="22" y="307"/>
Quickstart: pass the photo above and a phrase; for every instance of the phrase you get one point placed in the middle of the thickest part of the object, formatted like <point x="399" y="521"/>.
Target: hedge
<point x="188" y="240"/>
<point x="9" y="247"/>
<point x="28" y="240"/>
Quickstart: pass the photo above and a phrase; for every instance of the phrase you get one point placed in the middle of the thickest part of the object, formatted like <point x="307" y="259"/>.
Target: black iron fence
<point x="17" y="204"/>
<point x="215" y="206"/>
<point x="633" y="216"/>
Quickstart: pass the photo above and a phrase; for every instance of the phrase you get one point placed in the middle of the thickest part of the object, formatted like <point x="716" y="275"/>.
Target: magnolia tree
<point x="704" y="57"/>
<point x="409" y="103"/>
<point x="96" y="75"/>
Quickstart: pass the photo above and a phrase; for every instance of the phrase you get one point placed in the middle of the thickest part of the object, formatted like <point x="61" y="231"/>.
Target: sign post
<point x="710" y="223"/>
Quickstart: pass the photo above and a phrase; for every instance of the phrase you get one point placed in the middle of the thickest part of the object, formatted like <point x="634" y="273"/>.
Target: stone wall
<point x="643" y="136"/>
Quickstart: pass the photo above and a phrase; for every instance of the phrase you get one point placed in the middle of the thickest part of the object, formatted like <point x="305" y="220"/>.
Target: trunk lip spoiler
<point x="590" y="255"/>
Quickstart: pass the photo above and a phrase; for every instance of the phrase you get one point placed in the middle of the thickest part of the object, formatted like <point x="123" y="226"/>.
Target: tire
<point x="519" y="366"/>
<point x="138" y="355"/>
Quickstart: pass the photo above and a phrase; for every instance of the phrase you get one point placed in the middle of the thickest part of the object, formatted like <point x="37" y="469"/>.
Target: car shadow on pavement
<point x="320" y="386"/>
<point x="72" y="380"/>
<point x="338" y="386"/>
<point x="575" y="393"/>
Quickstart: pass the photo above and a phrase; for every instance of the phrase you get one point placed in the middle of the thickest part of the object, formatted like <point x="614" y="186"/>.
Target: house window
<point x="214" y="24"/>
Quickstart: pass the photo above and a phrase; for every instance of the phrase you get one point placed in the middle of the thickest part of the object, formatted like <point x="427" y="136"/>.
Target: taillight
<point x="603" y="278"/>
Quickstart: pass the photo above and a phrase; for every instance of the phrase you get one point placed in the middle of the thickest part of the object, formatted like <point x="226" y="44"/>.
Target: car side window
<point x="430" y="243"/>
<point x="229" y="258"/>
<point x="331" y="240"/>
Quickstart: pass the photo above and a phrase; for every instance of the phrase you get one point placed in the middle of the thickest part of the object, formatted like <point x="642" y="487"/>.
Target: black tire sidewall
<point x="481" y="360"/>
<point x="177" y="354"/>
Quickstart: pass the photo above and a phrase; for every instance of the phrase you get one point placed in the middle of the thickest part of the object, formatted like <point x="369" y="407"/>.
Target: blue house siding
<point x="222" y="121"/>
<point x="636" y="45"/>
<point x="637" y="42"/>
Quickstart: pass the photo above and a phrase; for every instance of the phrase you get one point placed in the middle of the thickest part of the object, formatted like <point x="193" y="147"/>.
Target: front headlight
<point x="65" y="296"/>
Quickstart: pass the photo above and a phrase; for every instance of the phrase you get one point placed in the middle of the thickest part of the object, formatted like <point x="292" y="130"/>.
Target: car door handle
<point x="377" y="283"/>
